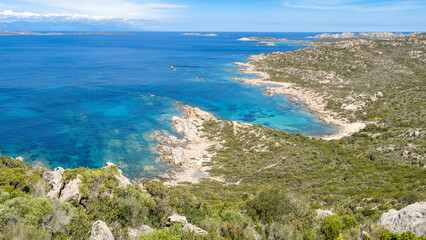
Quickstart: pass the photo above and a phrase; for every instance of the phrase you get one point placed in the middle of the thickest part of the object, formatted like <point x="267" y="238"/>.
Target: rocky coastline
<point x="187" y="152"/>
<point x="313" y="101"/>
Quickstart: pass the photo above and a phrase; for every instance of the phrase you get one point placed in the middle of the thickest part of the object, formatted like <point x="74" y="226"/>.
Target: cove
<point x="84" y="100"/>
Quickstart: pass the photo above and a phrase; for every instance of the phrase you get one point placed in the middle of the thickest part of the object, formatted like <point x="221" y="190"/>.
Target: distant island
<point x="200" y="34"/>
<point x="11" y="33"/>
<point x="269" y="41"/>
<point x="326" y="38"/>
<point x="367" y="35"/>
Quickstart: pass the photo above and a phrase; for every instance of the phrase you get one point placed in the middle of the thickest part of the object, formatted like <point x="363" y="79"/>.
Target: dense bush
<point x="402" y="236"/>
<point x="276" y="205"/>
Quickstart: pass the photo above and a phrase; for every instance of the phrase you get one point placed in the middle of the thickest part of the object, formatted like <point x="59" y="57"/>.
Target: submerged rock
<point x="411" y="218"/>
<point x="100" y="231"/>
<point x="71" y="191"/>
<point x="55" y="181"/>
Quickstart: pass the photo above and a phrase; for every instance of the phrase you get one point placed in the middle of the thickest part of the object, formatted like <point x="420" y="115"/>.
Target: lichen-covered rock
<point x="137" y="232"/>
<point x="55" y="181"/>
<point x="100" y="231"/>
<point x="411" y="218"/>
<point x="324" y="213"/>
<point x="71" y="192"/>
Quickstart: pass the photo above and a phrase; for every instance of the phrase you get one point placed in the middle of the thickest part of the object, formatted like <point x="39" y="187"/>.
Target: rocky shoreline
<point x="313" y="101"/>
<point x="188" y="152"/>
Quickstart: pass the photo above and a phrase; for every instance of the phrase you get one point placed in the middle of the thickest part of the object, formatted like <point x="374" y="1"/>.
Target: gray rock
<point x="324" y="213"/>
<point x="175" y="218"/>
<point x="379" y="95"/>
<point x="414" y="133"/>
<point x="411" y="218"/>
<point x="137" y="232"/>
<point x="55" y="181"/>
<point x="71" y="191"/>
<point x="20" y="158"/>
<point x="100" y="231"/>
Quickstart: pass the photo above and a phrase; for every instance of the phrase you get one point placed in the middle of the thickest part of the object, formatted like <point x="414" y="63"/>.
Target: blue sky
<point x="214" y="15"/>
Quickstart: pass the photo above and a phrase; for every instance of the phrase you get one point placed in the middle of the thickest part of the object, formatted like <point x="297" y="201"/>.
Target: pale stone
<point x="137" y="232"/>
<point x="324" y="213"/>
<point x="411" y="218"/>
<point x="100" y="231"/>
<point x="71" y="191"/>
<point x="55" y="181"/>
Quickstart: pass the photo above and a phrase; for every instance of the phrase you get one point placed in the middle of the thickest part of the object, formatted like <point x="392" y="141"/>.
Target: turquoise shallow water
<point x="75" y="101"/>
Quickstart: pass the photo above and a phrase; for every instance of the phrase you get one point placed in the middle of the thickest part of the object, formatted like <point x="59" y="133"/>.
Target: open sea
<point x="84" y="100"/>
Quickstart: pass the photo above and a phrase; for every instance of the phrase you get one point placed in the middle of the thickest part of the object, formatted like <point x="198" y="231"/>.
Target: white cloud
<point x="355" y="5"/>
<point x="112" y="8"/>
<point x="11" y="15"/>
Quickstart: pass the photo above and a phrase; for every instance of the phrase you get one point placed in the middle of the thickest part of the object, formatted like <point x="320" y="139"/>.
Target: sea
<point x="84" y="100"/>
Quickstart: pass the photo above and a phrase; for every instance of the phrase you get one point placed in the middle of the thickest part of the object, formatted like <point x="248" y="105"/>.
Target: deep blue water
<point x="75" y="101"/>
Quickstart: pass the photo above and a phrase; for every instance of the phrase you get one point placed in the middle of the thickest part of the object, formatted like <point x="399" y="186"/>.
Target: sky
<point x="214" y="15"/>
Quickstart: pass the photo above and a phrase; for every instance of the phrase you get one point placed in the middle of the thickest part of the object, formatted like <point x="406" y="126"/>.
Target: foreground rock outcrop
<point x="100" y="231"/>
<point x="411" y="218"/>
<point x="187" y="152"/>
<point x="71" y="192"/>
<point x="55" y="181"/>
<point x="175" y="218"/>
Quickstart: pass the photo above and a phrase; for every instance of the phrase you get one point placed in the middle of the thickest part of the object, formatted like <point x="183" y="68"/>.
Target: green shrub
<point x="276" y="205"/>
<point x="402" y="236"/>
<point x="157" y="189"/>
<point x="331" y="227"/>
